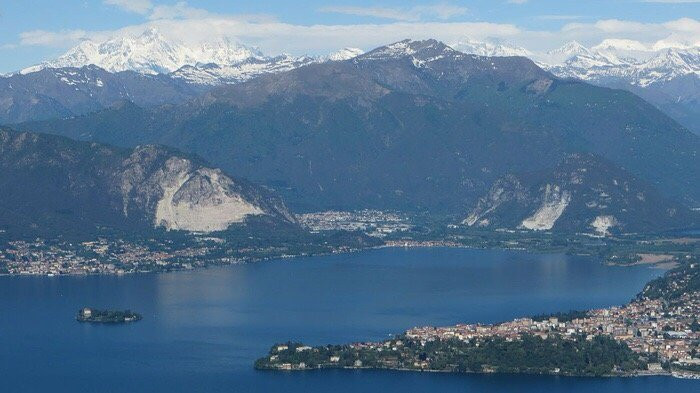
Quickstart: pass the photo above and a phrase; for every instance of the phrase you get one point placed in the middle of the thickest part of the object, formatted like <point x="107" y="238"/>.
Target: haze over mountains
<point x="419" y="126"/>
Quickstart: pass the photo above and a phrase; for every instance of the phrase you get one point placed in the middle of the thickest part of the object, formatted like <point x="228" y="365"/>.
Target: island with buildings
<point x="92" y="315"/>
<point x="656" y="333"/>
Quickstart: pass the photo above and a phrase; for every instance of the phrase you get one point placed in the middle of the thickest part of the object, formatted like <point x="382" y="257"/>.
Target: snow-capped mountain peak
<point x="620" y="44"/>
<point x="212" y="62"/>
<point x="223" y="61"/>
<point x="149" y="53"/>
<point x="419" y="50"/>
<point x="626" y="61"/>
<point x="572" y="48"/>
<point x="225" y="73"/>
<point x="490" y="48"/>
<point x="342" y="54"/>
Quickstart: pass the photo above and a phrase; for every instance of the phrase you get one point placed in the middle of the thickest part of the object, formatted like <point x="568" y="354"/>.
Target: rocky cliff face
<point x="56" y="180"/>
<point x="582" y="194"/>
<point x="180" y="194"/>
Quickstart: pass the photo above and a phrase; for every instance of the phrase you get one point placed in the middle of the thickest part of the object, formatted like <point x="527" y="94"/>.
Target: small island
<point x="92" y="315"/>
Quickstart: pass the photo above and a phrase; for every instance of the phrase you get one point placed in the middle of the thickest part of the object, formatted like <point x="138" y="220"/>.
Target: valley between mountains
<point x="438" y="145"/>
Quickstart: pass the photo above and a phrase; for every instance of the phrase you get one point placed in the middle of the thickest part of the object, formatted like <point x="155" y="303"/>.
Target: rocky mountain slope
<point x="50" y="184"/>
<point x="415" y="125"/>
<point x="583" y="193"/>
<point x="666" y="74"/>
<point x="64" y="92"/>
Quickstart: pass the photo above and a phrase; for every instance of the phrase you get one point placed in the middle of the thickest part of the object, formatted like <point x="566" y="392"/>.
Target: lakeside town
<point x="375" y="223"/>
<point x="656" y="333"/>
<point x="168" y="252"/>
<point x="668" y="334"/>
<point x="102" y="256"/>
<point x="319" y="233"/>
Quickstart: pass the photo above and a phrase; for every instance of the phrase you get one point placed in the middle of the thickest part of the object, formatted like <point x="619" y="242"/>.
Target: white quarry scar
<point x="552" y="208"/>
<point x="213" y="214"/>
<point x="602" y="224"/>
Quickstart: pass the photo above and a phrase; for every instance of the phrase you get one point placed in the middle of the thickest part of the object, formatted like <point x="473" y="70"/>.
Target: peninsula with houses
<point x="656" y="333"/>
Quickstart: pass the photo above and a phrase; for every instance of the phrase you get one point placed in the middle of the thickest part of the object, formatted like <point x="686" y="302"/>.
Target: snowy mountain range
<point x="149" y="53"/>
<point x="490" y="48"/>
<point x="225" y="61"/>
<point x="210" y="63"/>
<point x="629" y="64"/>
<point x="666" y="74"/>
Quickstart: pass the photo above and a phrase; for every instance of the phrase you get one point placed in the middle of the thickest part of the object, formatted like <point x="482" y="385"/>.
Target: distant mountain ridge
<point x="630" y="64"/>
<point x="414" y="125"/>
<point x="667" y="77"/>
<point x="64" y="92"/>
<point x="666" y="74"/>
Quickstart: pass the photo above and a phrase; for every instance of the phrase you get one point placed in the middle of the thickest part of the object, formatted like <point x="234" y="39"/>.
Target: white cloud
<point x="672" y="1"/>
<point x="180" y="10"/>
<point x="559" y="17"/>
<point x="52" y="38"/>
<point x="517" y="1"/>
<point x="188" y="24"/>
<point x="137" y="6"/>
<point x="413" y="14"/>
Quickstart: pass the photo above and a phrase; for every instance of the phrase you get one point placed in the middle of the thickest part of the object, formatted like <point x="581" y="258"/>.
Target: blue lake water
<point x="202" y="330"/>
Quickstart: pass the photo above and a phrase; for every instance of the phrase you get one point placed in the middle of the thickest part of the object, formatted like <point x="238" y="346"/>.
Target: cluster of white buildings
<point x="373" y="222"/>
<point x="646" y="326"/>
<point x="95" y="257"/>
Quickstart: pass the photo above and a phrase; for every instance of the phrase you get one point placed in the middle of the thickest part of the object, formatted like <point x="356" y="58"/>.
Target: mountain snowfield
<point x="222" y="60"/>
<point x="149" y="53"/>
<point x="215" y="62"/>
<point x="622" y="60"/>
<point x="490" y="48"/>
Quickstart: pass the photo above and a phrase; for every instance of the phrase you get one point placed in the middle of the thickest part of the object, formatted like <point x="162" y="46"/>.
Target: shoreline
<point x="640" y="374"/>
<point x="650" y="335"/>
<point x="663" y="265"/>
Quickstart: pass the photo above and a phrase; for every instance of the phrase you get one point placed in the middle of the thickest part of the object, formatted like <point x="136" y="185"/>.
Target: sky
<point x="31" y="32"/>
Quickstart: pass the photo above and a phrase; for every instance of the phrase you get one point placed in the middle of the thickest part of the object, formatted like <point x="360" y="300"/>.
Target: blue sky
<point x="34" y="31"/>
